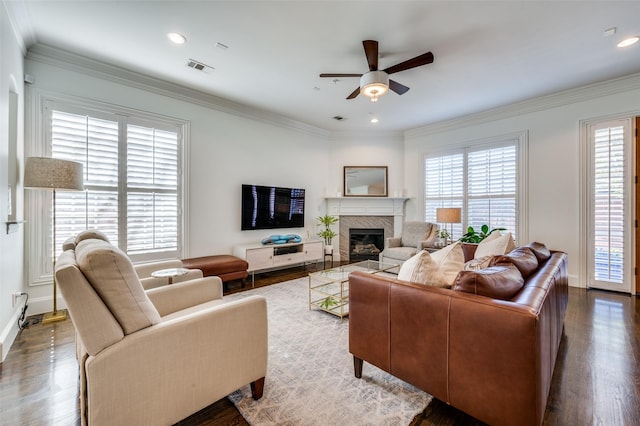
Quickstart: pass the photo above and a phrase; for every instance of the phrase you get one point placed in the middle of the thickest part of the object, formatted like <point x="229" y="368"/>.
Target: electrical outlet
<point x="15" y="296"/>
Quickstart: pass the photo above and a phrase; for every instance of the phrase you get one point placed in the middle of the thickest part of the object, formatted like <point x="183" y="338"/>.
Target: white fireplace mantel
<point x="369" y="206"/>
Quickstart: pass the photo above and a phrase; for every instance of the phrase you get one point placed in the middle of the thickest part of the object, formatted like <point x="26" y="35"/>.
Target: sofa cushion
<point x="438" y="269"/>
<point x="521" y="257"/>
<point x="111" y="274"/>
<point x="541" y="251"/>
<point x="495" y="244"/>
<point x="498" y="282"/>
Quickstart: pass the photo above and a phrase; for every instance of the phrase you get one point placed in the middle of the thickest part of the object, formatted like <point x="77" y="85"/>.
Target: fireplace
<point x="365" y="243"/>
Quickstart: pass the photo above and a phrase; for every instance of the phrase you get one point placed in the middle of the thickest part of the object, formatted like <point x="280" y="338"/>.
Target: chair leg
<point x="257" y="388"/>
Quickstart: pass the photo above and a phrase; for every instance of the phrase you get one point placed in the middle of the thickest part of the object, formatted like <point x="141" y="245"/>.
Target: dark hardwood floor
<point x="596" y="379"/>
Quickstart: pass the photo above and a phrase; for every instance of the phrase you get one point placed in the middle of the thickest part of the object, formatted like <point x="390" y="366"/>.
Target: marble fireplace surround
<point x="365" y="212"/>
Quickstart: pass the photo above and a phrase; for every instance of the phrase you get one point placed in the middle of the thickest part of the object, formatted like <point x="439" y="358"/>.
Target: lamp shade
<point x="53" y="173"/>
<point x="449" y="215"/>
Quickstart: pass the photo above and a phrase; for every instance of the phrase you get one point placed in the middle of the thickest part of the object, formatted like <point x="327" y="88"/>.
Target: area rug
<point x="310" y="378"/>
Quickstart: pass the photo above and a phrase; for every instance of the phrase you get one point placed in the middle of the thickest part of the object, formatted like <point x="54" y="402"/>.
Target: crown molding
<point x="70" y="61"/>
<point x="554" y="100"/>
<point x="368" y="135"/>
<point x="20" y="23"/>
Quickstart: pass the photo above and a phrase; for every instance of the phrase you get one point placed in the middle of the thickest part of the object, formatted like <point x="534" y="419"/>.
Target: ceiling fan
<point x="376" y="83"/>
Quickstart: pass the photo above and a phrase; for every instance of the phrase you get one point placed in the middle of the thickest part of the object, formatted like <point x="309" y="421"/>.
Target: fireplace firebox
<point x="365" y="244"/>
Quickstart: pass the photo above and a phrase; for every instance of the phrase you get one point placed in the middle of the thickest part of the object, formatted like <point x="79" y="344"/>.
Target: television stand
<point x="279" y="256"/>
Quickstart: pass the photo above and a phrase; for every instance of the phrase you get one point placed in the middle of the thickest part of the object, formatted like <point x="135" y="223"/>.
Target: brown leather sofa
<point x="490" y="358"/>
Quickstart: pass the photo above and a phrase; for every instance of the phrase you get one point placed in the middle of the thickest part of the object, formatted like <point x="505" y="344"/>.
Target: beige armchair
<point x="144" y="271"/>
<point x="155" y="357"/>
<point x="415" y="236"/>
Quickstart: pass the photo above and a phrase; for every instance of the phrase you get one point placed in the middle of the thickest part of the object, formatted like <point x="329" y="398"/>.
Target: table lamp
<point x="449" y="215"/>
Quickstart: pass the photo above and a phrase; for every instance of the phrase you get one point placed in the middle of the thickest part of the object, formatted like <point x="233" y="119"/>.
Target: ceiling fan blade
<point x="340" y="75"/>
<point x="400" y="89"/>
<point x="424" y="59"/>
<point x="371" y="51"/>
<point x="354" y="93"/>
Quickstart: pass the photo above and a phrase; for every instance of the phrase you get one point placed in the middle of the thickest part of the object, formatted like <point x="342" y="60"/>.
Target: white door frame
<point x="586" y="212"/>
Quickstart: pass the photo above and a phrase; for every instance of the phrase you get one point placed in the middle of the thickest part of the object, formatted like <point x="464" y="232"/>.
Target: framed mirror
<point x="365" y="181"/>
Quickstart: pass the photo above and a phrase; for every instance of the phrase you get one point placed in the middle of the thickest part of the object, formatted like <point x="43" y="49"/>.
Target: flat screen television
<point x="271" y="207"/>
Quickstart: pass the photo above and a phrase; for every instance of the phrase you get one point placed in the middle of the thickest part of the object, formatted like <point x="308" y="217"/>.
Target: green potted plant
<point x="327" y="233"/>
<point x="442" y="236"/>
<point x="474" y="237"/>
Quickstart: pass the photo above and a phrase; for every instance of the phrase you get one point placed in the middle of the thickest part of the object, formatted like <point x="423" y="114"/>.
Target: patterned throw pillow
<point x="438" y="269"/>
<point x="477" y="264"/>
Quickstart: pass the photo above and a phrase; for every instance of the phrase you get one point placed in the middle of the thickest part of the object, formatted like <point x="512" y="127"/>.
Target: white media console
<point x="263" y="257"/>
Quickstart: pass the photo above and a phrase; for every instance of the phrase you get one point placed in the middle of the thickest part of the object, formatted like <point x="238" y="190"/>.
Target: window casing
<point x="133" y="182"/>
<point x="486" y="180"/>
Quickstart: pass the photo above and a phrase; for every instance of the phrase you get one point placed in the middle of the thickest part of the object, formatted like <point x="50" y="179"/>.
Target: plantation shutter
<point x="482" y="181"/>
<point x="491" y="188"/>
<point x="152" y="189"/>
<point x="608" y="205"/>
<point x="94" y="143"/>
<point x="444" y="186"/>
<point x="132" y="180"/>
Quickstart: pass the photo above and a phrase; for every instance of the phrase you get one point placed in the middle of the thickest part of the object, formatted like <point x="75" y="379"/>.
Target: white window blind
<point x="131" y="180"/>
<point x="491" y="188"/>
<point x="152" y="189"/>
<point x="94" y="143"/>
<point x="483" y="182"/>
<point x="608" y="204"/>
<point x="444" y="186"/>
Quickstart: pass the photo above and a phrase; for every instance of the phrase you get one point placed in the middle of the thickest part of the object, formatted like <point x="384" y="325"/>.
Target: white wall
<point x="553" y="125"/>
<point x="11" y="251"/>
<point x="366" y="149"/>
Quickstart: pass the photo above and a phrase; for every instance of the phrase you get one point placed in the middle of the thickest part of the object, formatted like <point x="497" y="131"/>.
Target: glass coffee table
<point x="329" y="289"/>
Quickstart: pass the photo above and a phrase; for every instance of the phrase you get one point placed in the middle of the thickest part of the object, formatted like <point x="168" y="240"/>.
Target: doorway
<point x="610" y="208"/>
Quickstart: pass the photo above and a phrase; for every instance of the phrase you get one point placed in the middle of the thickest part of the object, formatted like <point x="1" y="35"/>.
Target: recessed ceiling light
<point x="177" y="38"/>
<point x="374" y="120"/>
<point x="628" y="41"/>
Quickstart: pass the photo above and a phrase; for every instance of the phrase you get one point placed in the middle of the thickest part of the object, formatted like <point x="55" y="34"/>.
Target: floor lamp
<point x="53" y="174"/>
<point x="449" y="215"/>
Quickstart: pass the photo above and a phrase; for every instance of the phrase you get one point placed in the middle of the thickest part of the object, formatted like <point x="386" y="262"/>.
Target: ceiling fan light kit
<point x="374" y="84"/>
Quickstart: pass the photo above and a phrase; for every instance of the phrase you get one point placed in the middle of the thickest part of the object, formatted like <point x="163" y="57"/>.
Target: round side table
<point x="169" y="273"/>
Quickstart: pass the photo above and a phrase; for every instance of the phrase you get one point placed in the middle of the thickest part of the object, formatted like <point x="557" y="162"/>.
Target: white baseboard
<point x="9" y="333"/>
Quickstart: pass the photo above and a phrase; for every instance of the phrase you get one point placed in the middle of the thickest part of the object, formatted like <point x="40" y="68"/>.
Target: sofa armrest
<point x="172" y="298"/>
<point x="163" y="373"/>
<point x="392" y="242"/>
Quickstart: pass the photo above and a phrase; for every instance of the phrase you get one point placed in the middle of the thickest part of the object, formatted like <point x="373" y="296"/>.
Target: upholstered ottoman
<point x="227" y="267"/>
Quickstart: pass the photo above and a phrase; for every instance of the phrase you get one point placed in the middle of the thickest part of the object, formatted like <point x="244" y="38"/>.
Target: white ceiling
<point x="487" y="53"/>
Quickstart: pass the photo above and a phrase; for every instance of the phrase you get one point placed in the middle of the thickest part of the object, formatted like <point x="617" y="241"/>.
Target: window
<point x="132" y="177"/>
<point x="482" y="180"/>
<point x="609" y="195"/>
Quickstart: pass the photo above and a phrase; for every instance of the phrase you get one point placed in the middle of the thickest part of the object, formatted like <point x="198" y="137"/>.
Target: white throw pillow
<point x="493" y="246"/>
<point x="437" y="269"/>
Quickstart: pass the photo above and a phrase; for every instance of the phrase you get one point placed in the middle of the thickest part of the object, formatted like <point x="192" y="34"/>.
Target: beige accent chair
<point x="415" y="236"/>
<point x="155" y="357"/>
<point x="144" y="271"/>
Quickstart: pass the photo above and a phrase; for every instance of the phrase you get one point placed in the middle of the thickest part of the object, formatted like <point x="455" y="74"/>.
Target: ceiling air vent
<point x="199" y="66"/>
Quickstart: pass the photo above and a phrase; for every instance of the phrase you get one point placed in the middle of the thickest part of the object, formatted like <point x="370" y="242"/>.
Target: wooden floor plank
<point x="596" y="378"/>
